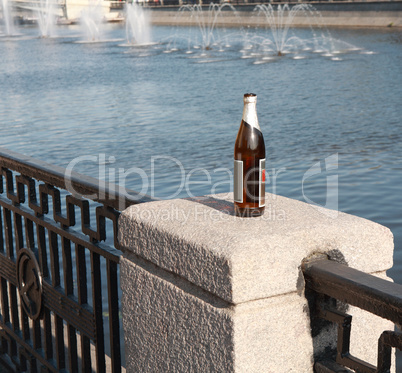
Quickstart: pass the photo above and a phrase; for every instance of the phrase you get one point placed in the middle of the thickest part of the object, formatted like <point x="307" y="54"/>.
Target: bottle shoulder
<point x="249" y="141"/>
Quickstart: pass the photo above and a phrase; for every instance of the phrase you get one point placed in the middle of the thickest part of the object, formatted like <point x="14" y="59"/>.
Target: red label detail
<point x="263" y="176"/>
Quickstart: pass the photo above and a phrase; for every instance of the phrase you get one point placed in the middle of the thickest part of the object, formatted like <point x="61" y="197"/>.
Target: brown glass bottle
<point x="249" y="163"/>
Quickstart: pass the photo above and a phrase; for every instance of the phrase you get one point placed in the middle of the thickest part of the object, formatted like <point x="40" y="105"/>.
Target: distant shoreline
<point x="333" y="14"/>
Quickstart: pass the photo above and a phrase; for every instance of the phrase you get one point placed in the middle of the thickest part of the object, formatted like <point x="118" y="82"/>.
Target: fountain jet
<point x="7" y="17"/>
<point x="91" y="19"/>
<point x="46" y="18"/>
<point x="281" y="21"/>
<point x="138" y="29"/>
<point x="207" y="19"/>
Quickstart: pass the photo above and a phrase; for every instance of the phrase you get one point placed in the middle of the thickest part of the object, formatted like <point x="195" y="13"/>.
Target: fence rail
<point x="334" y="285"/>
<point x="59" y="288"/>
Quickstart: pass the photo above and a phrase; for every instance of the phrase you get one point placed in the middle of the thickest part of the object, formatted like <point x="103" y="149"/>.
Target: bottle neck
<point x="250" y="114"/>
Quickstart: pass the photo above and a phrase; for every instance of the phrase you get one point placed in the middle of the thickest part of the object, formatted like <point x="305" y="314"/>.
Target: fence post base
<point x="205" y="291"/>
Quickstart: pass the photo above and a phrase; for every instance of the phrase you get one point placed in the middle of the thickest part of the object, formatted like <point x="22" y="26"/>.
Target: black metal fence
<point x="59" y="287"/>
<point x="330" y="287"/>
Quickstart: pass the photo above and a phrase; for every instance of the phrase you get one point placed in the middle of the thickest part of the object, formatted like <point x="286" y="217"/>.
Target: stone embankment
<point x="332" y="14"/>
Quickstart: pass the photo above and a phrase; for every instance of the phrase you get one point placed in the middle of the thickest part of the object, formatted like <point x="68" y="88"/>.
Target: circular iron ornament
<point x="29" y="281"/>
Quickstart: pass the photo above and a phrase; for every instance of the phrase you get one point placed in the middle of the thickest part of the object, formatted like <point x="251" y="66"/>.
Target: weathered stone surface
<point x="173" y="326"/>
<point x="167" y="329"/>
<point x="243" y="259"/>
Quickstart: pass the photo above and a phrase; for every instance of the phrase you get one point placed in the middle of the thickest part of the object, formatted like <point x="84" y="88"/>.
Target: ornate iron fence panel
<point x="59" y="288"/>
<point x="330" y="287"/>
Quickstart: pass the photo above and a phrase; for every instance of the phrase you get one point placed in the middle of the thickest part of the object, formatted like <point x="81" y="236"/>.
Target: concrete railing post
<point x="205" y="291"/>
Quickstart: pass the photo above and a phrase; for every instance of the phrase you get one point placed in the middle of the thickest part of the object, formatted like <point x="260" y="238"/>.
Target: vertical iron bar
<point x="69" y="290"/>
<point x="344" y="329"/>
<point x="34" y="365"/>
<point x="97" y="306"/>
<point x="19" y="244"/>
<point x="3" y="287"/>
<point x="67" y="266"/>
<point x="25" y="324"/>
<point x="30" y="242"/>
<point x="5" y="310"/>
<point x="114" y="332"/>
<point x="8" y="232"/>
<point x="47" y="330"/>
<point x="5" y="314"/>
<point x="6" y="290"/>
<point x="83" y="299"/>
<point x="1" y="234"/>
<point x="6" y="294"/>
<point x="23" y="360"/>
<point x="42" y="252"/>
<point x="11" y="288"/>
<point x="72" y="348"/>
<point x="55" y="267"/>
<point x="81" y="274"/>
<point x="60" y="356"/>
<point x="54" y="259"/>
<point x="19" y="238"/>
<point x="47" y="323"/>
<point x="36" y="335"/>
<point x="85" y="354"/>
<point x="14" y="307"/>
<point x="384" y="354"/>
<point x="29" y="234"/>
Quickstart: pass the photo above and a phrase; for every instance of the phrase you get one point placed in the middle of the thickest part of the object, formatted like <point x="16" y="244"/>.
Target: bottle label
<point x="238" y="181"/>
<point x="261" y="201"/>
<point x="254" y="179"/>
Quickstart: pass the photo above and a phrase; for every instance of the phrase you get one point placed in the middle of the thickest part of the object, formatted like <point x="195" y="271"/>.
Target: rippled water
<point x="61" y="99"/>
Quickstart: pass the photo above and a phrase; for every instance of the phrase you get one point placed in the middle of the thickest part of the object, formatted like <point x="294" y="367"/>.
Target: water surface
<point x="144" y="108"/>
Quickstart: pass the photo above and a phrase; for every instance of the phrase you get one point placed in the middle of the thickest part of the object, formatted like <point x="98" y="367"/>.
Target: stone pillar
<point x="205" y="291"/>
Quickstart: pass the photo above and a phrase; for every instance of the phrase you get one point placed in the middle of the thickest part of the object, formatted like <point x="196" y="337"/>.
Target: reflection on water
<point x="167" y="115"/>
